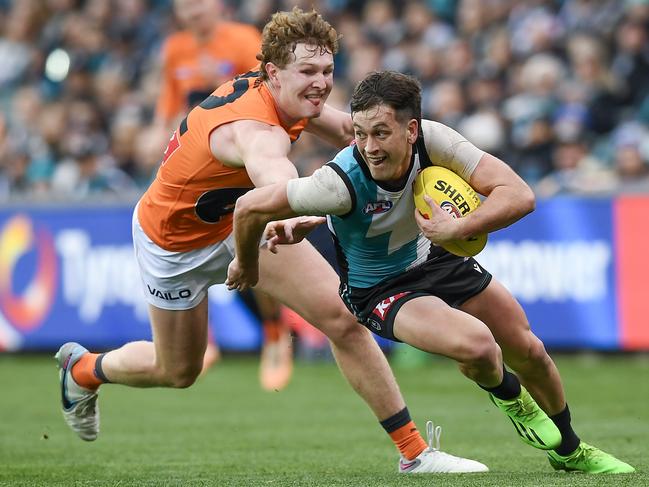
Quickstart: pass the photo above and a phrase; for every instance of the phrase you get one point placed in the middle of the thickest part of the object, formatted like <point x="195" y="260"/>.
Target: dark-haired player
<point x="404" y="288"/>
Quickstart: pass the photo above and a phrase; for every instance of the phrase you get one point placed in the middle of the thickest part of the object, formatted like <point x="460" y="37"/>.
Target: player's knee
<point x="341" y="327"/>
<point x="185" y="379"/>
<point x="537" y="354"/>
<point x="482" y="352"/>
<point x="532" y="355"/>
<point x="349" y="335"/>
<point x="181" y="377"/>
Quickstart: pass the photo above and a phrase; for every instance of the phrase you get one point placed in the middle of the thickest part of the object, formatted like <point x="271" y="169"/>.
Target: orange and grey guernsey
<point x="190" y="203"/>
<point x="230" y="50"/>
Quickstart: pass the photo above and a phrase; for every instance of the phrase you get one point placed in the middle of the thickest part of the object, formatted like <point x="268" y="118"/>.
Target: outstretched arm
<point x="252" y="212"/>
<point x="262" y="149"/>
<point x="322" y="193"/>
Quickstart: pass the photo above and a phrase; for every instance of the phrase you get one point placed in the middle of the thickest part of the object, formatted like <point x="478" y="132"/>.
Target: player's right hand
<point x="440" y="227"/>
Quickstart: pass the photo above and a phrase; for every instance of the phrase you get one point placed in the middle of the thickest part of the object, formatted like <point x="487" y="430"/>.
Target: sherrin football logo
<point x="451" y="209"/>
<point x="455" y="196"/>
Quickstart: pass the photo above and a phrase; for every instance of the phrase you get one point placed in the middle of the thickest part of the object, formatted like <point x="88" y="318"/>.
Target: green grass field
<point x="225" y="431"/>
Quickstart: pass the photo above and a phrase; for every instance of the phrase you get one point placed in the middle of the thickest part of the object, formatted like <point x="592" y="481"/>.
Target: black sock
<point x="99" y="372"/>
<point x="569" y="439"/>
<point x="509" y="388"/>
<point x="396" y="421"/>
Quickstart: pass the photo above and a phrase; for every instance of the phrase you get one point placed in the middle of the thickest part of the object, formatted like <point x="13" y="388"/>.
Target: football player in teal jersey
<point x="397" y="279"/>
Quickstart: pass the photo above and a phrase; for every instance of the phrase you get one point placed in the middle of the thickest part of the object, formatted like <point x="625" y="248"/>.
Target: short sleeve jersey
<point x="379" y="237"/>
<point x="189" y="205"/>
<point x="231" y="50"/>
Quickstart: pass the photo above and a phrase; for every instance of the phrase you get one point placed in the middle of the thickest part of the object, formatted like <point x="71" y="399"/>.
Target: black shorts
<point x="449" y="277"/>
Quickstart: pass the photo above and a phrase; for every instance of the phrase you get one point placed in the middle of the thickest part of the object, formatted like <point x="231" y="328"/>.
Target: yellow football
<point x="454" y="195"/>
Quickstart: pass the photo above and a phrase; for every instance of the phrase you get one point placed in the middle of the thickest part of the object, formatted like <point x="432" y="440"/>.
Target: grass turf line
<point x="226" y="431"/>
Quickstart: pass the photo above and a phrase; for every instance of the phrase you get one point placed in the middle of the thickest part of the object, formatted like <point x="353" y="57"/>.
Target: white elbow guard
<point x="323" y="193"/>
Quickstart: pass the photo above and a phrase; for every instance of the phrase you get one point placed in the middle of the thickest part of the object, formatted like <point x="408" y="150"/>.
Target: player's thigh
<point x="501" y="312"/>
<point x="179" y="336"/>
<point x="428" y="323"/>
<point x="301" y="278"/>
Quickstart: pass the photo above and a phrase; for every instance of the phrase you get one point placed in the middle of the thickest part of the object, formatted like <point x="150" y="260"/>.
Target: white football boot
<point x="433" y="460"/>
<point x="80" y="409"/>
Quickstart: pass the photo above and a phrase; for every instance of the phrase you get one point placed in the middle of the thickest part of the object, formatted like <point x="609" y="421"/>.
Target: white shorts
<point x="179" y="280"/>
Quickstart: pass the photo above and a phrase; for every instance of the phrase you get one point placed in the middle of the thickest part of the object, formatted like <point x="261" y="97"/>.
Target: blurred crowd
<point x="557" y="89"/>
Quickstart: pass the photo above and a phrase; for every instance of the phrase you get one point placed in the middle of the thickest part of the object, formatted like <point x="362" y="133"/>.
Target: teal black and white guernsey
<point x="379" y="237"/>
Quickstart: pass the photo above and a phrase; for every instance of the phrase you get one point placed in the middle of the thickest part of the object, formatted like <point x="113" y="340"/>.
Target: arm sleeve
<point x="322" y="193"/>
<point x="449" y="149"/>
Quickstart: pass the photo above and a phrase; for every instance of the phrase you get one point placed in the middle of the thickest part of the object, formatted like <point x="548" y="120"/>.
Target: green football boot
<point x="588" y="459"/>
<point x="533" y="426"/>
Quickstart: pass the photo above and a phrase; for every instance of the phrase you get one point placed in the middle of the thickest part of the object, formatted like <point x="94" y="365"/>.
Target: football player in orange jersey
<point x="236" y="139"/>
<point x="207" y="53"/>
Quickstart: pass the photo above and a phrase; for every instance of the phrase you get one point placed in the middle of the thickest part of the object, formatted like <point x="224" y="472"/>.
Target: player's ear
<point x="413" y="131"/>
<point x="272" y="71"/>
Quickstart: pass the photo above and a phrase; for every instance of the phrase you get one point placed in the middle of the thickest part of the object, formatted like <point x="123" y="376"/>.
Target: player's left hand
<point x="441" y="227"/>
<point x="240" y="278"/>
<point x="291" y="231"/>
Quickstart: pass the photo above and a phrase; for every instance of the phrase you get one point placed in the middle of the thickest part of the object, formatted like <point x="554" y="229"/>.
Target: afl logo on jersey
<point x="377" y="207"/>
<point x="451" y="209"/>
